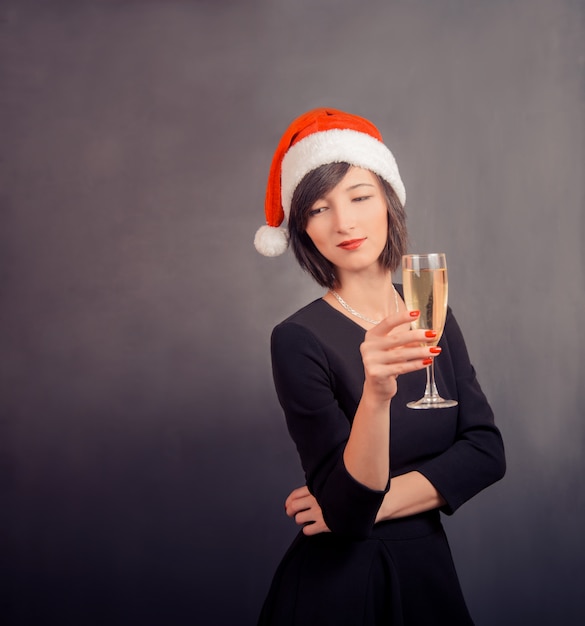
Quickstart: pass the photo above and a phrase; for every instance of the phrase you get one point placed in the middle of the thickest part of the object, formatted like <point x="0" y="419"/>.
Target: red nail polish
<point x="427" y="361"/>
<point x="435" y="350"/>
<point x="414" y="313"/>
<point x="430" y="333"/>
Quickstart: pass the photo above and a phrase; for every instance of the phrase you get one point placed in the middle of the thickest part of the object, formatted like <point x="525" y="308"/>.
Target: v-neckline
<point x="349" y="319"/>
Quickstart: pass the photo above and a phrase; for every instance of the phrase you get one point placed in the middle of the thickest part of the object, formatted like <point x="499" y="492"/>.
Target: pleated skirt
<point x="403" y="575"/>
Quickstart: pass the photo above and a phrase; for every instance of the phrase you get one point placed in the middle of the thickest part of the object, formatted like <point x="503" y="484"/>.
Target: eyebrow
<point x="350" y="188"/>
<point x="359" y="185"/>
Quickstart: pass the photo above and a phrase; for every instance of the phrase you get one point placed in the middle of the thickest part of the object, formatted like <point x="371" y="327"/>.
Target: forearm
<point x="409" y="494"/>
<point x="390" y="349"/>
<point x="366" y="452"/>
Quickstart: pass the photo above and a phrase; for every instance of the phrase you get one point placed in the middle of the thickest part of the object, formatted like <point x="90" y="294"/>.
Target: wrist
<point x="375" y="396"/>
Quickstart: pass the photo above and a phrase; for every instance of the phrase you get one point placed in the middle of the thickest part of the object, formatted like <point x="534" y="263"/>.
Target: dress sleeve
<point x="320" y="430"/>
<point x="476" y="459"/>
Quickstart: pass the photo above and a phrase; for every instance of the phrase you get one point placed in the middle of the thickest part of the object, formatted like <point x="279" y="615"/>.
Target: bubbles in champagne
<point x="426" y="290"/>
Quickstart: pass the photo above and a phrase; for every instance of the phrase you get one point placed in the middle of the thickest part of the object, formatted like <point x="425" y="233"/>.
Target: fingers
<point x="305" y="509"/>
<point x="394" y="343"/>
<point x="297" y="500"/>
<point x="315" y="528"/>
<point x="400" y="337"/>
<point x="393" y="321"/>
<point x="397" y="331"/>
<point x="388" y="355"/>
<point x="381" y="373"/>
<point x="309" y="516"/>
<point x="396" y="353"/>
<point x="301" y="505"/>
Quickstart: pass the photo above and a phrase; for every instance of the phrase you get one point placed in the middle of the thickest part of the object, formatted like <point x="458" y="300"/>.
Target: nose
<point x="344" y="217"/>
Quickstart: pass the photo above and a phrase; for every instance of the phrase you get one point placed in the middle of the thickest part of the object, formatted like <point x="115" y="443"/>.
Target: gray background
<point x="144" y="457"/>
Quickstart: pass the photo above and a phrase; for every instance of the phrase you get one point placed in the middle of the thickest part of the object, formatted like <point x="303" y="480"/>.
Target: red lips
<point x="351" y="244"/>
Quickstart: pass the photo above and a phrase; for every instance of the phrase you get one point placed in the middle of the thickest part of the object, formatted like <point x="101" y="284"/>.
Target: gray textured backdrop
<point x="144" y="457"/>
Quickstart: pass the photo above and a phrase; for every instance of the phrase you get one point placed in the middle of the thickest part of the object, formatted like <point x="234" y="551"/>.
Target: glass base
<point x="432" y="402"/>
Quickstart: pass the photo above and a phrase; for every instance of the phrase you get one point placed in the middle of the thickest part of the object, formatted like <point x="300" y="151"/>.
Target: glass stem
<point x="431" y="388"/>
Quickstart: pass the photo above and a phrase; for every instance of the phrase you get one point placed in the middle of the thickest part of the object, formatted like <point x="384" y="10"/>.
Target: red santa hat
<point x="316" y="138"/>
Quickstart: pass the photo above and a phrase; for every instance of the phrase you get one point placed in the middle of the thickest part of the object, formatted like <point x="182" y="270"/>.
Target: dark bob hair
<point x="314" y="186"/>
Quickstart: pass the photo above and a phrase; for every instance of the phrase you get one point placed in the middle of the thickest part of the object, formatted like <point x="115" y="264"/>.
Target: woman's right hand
<point x="392" y="348"/>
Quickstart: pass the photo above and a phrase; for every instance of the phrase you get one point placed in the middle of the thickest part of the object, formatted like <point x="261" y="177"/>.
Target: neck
<point x="372" y="296"/>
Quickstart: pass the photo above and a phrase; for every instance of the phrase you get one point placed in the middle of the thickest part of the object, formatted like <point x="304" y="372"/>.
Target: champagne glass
<point x="424" y="277"/>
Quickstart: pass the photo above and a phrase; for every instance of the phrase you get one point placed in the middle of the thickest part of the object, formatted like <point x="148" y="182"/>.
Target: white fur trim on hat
<point x="336" y="146"/>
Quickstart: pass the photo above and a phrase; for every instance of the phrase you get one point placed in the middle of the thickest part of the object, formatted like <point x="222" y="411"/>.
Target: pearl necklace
<point x="356" y="313"/>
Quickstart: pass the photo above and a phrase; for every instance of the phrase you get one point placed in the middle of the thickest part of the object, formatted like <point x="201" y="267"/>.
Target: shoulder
<point x="306" y="321"/>
<point x="307" y="315"/>
<point x="300" y="328"/>
<point x="324" y="324"/>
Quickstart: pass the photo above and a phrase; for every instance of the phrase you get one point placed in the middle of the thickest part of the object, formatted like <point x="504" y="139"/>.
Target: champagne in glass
<point x="424" y="278"/>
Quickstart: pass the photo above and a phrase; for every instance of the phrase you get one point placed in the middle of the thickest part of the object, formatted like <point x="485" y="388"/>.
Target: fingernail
<point x="414" y="313"/>
<point x="434" y="350"/>
<point x="427" y="361"/>
<point x="430" y="333"/>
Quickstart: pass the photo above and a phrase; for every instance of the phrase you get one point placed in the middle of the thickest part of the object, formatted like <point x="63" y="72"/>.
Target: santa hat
<point x="316" y="138"/>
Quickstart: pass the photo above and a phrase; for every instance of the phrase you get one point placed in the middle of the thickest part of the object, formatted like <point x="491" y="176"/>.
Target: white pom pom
<point x="271" y="241"/>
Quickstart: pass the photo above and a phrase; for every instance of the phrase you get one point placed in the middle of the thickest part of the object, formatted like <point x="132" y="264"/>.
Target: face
<point x="349" y="225"/>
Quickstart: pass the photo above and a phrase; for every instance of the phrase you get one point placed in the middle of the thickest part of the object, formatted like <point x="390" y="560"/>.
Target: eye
<point x="317" y="210"/>
<point x="361" y="198"/>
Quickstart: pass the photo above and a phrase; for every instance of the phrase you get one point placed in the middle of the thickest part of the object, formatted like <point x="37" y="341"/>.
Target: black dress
<point x="397" y="572"/>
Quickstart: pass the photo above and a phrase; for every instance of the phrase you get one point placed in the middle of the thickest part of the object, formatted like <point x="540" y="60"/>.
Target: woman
<point x="372" y="549"/>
